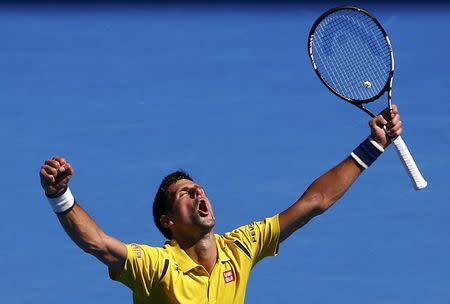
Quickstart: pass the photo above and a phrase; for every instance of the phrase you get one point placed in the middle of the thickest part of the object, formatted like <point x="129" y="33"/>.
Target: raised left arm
<point x="332" y="185"/>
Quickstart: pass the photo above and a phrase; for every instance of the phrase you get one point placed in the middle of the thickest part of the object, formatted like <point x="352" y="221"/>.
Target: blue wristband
<point x="367" y="152"/>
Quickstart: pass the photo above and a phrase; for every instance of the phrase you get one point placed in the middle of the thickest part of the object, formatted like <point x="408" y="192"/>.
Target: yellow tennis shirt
<point x="168" y="275"/>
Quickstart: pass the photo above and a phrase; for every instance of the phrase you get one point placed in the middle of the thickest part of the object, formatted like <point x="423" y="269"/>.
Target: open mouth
<point x="202" y="209"/>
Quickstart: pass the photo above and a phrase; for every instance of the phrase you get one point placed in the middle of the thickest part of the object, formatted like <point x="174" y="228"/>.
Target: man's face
<point x="191" y="208"/>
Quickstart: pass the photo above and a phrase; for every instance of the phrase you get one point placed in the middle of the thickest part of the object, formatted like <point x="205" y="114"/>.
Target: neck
<point x="202" y="250"/>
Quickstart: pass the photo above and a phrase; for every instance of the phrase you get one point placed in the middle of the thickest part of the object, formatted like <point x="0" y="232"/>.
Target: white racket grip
<point x="410" y="165"/>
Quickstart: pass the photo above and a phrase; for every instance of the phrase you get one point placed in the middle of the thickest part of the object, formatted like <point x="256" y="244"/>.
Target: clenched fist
<point x="55" y="175"/>
<point x="386" y="125"/>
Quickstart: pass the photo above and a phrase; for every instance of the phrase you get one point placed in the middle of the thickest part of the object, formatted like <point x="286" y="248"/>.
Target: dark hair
<point x="162" y="203"/>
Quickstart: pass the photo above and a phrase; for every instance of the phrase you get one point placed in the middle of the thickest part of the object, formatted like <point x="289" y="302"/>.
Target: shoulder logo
<point x="229" y="276"/>
<point x="136" y="250"/>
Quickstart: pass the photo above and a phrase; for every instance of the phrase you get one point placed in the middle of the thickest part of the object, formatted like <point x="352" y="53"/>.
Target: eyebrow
<point x="185" y="188"/>
<point x="188" y="187"/>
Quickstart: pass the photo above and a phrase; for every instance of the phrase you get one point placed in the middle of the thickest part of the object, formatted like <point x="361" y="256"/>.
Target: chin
<point x="210" y="223"/>
<point x="207" y="222"/>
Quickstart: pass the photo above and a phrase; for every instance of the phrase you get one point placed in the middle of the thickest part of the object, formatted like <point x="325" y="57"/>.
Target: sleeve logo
<point x="229" y="276"/>
<point x="251" y="229"/>
<point x="136" y="250"/>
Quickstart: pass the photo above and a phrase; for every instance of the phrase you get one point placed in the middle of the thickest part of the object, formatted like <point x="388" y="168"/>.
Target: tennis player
<point x="195" y="265"/>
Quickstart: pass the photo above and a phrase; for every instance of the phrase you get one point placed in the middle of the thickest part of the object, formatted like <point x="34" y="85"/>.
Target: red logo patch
<point x="229" y="276"/>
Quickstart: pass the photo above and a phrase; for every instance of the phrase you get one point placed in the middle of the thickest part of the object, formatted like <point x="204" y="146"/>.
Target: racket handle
<point x="410" y="165"/>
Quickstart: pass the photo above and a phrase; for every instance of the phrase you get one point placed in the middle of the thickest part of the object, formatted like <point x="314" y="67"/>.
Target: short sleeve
<point x="259" y="239"/>
<point x="141" y="270"/>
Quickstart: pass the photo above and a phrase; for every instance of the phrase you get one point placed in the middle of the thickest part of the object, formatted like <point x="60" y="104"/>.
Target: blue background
<point x="128" y="94"/>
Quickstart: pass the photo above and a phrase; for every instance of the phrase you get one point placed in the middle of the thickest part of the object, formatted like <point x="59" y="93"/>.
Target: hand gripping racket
<point x="352" y="55"/>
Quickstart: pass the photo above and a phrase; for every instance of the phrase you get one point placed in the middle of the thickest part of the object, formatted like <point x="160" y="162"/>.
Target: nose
<point x="196" y="190"/>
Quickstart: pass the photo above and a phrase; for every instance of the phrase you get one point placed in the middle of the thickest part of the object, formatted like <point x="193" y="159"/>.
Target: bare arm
<point x="82" y="229"/>
<point x="319" y="196"/>
<point x="332" y="185"/>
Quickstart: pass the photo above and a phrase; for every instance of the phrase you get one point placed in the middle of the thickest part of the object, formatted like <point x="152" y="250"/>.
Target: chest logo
<point x="229" y="276"/>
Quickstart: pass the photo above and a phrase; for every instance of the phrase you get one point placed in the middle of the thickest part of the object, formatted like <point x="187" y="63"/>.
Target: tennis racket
<point x="352" y="55"/>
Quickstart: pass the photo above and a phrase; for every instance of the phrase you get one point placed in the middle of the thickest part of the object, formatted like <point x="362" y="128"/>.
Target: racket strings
<point x="344" y="57"/>
<point x="351" y="54"/>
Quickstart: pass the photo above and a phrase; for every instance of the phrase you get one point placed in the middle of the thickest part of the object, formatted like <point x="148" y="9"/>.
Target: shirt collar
<point x="222" y="250"/>
<point x="185" y="262"/>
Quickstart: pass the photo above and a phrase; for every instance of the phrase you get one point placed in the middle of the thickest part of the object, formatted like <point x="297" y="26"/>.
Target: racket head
<point x="352" y="54"/>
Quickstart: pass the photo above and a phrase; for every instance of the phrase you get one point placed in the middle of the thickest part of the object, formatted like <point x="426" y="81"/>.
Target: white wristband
<point x="63" y="202"/>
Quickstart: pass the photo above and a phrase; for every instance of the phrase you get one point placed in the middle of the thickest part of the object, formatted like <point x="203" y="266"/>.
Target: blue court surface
<point x="128" y="94"/>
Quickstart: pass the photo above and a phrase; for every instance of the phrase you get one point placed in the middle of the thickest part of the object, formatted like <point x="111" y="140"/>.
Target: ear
<point x="166" y="221"/>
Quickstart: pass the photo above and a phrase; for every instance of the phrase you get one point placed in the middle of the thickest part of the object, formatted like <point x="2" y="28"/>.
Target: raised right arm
<point x="82" y="229"/>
